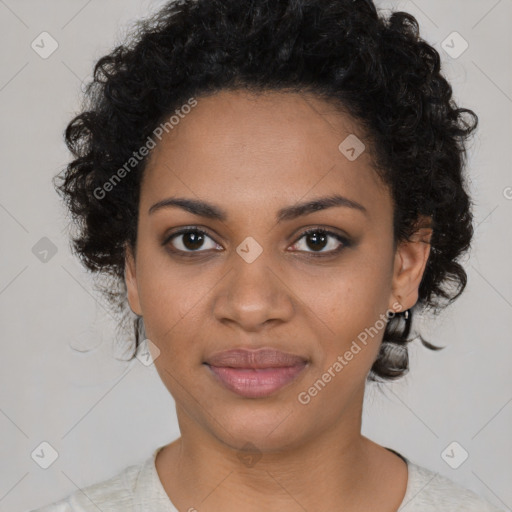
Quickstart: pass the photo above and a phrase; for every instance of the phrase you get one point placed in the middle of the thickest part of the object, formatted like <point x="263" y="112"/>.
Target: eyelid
<point x="344" y="240"/>
<point x="168" y="237"/>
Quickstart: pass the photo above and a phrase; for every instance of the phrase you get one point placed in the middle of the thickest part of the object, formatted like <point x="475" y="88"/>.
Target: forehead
<point x="242" y="148"/>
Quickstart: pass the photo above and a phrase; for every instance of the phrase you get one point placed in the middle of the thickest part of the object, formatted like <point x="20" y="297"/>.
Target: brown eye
<point x="190" y="240"/>
<point x="317" y="240"/>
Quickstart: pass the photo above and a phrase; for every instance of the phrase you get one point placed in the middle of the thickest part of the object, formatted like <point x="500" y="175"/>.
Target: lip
<point x="255" y="373"/>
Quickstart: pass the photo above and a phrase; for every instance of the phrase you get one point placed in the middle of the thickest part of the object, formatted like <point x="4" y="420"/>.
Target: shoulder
<point x="428" y="491"/>
<point x="112" y="495"/>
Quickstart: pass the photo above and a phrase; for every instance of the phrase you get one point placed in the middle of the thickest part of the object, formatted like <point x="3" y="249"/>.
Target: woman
<point x="277" y="186"/>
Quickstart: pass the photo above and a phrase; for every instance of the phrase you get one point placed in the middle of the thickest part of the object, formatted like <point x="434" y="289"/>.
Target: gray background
<point x="60" y="382"/>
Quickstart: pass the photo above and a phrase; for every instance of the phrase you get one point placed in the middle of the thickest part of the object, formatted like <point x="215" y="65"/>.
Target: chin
<point x="269" y="428"/>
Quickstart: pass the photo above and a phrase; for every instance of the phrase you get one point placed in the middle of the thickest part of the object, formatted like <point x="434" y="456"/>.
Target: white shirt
<point x="138" y="489"/>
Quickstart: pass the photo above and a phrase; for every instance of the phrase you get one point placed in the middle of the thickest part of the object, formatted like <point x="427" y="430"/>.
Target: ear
<point x="410" y="261"/>
<point x="130" y="279"/>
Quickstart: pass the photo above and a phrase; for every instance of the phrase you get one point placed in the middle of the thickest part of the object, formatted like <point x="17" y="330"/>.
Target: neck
<point x="202" y="471"/>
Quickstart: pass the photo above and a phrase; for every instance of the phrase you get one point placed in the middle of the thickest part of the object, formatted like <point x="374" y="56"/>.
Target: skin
<point x="252" y="155"/>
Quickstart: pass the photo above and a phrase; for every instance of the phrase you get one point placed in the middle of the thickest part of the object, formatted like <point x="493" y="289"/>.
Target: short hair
<point x="376" y="68"/>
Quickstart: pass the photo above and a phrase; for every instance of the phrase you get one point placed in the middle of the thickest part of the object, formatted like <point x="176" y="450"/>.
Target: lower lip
<point x="256" y="382"/>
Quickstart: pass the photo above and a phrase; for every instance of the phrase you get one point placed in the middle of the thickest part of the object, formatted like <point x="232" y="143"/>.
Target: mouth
<point x="255" y="373"/>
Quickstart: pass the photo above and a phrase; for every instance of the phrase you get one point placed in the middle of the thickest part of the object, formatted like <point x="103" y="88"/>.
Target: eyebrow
<point x="210" y="211"/>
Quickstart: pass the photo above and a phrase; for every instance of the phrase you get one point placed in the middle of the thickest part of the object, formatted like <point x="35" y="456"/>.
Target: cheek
<point x="174" y="318"/>
<point x="349" y="304"/>
<point x="349" y="295"/>
<point x="353" y="308"/>
<point x="172" y="299"/>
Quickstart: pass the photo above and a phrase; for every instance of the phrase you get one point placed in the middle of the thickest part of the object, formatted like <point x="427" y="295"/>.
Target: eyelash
<point x="345" y="242"/>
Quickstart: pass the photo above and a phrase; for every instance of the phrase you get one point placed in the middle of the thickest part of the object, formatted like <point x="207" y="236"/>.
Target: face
<point x="245" y="274"/>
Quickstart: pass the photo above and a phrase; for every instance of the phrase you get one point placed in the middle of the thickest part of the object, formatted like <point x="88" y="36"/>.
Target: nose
<point x="253" y="295"/>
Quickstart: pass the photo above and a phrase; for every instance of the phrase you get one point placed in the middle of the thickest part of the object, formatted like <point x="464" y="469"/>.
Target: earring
<point x="406" y="314"/>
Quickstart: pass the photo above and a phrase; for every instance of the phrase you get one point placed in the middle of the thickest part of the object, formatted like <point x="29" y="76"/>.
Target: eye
<point x="318" y="239"/>
<point x="189" y="240"/>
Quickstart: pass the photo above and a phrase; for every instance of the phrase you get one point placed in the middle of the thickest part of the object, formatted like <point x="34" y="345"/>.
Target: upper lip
<point x="261" y="358"/>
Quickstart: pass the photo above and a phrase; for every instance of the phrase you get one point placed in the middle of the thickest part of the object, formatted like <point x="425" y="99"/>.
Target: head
<point x="320" y="182"/>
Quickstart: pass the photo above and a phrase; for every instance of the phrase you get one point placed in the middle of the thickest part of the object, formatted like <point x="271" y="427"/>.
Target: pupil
<point x="315" y="236"/>
<point x="192" y="240"/>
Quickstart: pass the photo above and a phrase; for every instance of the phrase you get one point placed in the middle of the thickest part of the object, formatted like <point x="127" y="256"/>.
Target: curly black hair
<point x="374" y="67"/>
